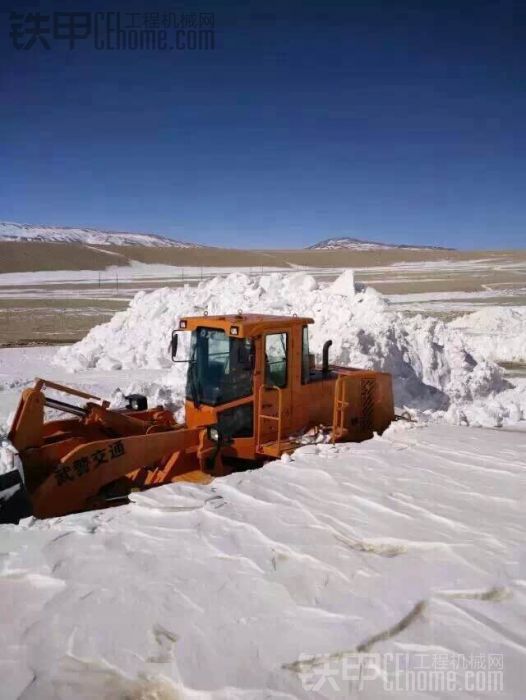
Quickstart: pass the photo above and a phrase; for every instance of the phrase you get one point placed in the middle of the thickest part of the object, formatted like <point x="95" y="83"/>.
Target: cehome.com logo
<point x="114" y="31"/>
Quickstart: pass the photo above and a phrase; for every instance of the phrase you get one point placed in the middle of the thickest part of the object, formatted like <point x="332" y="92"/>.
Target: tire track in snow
<point x="302" y="665"/>
<point x="495" y="594"/>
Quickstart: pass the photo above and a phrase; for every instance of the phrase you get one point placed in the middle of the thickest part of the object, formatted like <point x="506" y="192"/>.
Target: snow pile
<point x="431" y="366"/>
<point x="497" y="331"/>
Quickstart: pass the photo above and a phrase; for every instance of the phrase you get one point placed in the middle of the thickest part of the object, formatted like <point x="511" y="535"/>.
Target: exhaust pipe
<point x="325" y="357"/>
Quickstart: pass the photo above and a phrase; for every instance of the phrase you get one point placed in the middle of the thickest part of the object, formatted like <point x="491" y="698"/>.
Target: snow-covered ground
<point x="456" y="303"/>
<point x="119" y="282"/>
<point x="116" y="282"/>
<point x="336" y="563"/>
<point x="342" y="571"/>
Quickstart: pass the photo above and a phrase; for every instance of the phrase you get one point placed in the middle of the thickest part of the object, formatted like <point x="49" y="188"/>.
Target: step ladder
<point x="276" y="447"/>
<point x="341" y="403"/>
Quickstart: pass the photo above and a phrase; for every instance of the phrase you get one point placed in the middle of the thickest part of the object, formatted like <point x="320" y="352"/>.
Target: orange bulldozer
<point x="252" y="393"/>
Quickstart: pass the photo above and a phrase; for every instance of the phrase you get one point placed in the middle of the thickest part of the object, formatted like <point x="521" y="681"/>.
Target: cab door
<point x="277" y="383"/>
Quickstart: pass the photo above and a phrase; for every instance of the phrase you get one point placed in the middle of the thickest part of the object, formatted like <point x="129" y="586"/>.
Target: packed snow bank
<point x="430" y="363"/>
<point x="499" y="332"/>
<point x="223" y="588"/>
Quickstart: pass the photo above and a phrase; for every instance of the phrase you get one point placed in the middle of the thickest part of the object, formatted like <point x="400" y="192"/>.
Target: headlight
<point x="136" y="402"/>
<point x="213" y="433"/>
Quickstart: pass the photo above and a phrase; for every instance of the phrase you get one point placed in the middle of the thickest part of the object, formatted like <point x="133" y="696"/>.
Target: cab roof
<point x="247" y="325"/>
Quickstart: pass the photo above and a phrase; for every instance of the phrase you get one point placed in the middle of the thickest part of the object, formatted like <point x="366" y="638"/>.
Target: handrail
<point x="262" y="416"/>
<point x="41" y="383"/>
<point x="45" y="383"/>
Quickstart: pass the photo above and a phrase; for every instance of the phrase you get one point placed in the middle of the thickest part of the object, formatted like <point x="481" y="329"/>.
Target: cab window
<point x="276" y="359"/>
<point x="220" y="368"/>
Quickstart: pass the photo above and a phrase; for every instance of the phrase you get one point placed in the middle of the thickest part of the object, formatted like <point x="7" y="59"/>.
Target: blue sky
<point x="396" y="121"/>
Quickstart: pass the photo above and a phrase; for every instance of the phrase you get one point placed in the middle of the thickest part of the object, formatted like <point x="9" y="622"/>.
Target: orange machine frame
<point x="101" y="455"/>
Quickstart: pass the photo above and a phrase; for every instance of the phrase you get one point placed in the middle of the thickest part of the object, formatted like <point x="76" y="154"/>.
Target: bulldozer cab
<point x="226" y="352"/>
<point x="252" y="381"/>
<point x="244" y="373"/>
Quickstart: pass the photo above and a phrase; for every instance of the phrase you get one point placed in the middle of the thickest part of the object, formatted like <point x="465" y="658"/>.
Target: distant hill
<point x="347" y="243"/>
<point x="10" y="231"/>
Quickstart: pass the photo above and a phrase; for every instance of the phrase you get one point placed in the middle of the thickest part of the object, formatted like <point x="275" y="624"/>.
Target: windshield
<point x="220" y="368"/>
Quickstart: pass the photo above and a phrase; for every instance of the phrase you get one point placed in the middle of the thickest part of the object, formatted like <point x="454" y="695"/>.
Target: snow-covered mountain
<point x="10" y="231"/>
<point x="347" y="243"/>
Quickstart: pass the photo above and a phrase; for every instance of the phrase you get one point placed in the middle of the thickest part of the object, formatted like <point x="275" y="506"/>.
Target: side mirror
<point x="173" y="345"/>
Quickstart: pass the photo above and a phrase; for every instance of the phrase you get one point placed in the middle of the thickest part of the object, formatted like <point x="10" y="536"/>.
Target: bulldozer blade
<point x="14" y="501"/>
